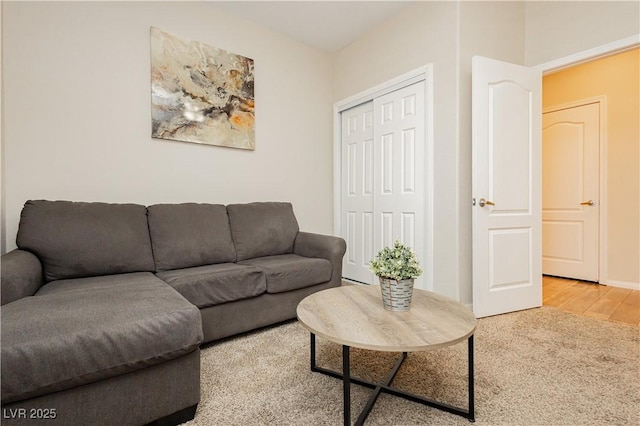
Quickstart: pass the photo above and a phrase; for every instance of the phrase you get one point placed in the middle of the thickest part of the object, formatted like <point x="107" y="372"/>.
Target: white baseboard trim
<point x="347" y="281"/>
<point x="623" y="284"/>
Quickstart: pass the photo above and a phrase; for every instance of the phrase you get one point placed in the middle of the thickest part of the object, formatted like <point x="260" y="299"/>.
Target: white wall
<point x="421" y="34"/>
<point x="448" y="35"/>
<point x="3" y="221"/>
<point x="555" y="29"/>
<point x="77" y="103"/>
<point x="494" y="30"/>
<point x="78" y="122"/>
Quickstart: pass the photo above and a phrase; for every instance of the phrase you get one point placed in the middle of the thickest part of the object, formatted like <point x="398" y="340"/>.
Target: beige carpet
<point x="536" y="367"/>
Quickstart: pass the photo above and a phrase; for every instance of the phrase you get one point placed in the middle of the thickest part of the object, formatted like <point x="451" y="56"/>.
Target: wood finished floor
<point x="594" y="300"/>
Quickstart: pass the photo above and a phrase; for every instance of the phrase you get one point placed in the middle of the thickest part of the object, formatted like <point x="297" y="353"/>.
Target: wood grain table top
<point x="354" y="316"/>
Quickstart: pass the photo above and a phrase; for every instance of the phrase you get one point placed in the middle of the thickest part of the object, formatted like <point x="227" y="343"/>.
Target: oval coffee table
<point x="353" y="316"/>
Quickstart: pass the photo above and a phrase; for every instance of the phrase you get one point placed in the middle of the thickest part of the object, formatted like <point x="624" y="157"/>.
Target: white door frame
<point x="602" y="190"/>
<point x="589" y="54"/>
<point x="422" y="73"/>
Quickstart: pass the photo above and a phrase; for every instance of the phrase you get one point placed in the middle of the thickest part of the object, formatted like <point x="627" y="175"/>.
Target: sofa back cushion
<point x="74" y="239"/>
<point x="262" y="229"/>
<point x="188" y="235"/>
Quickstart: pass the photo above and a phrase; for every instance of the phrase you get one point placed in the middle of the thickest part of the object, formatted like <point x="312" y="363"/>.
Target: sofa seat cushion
<point x="211" y="285"/>
<point x="288" y="272"/>
<point x="74" y="332"/>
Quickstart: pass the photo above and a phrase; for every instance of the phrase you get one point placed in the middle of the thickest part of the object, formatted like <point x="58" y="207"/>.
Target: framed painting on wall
<point x="201" y="94"/>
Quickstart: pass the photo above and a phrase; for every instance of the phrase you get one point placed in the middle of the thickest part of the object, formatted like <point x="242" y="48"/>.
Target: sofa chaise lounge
<point x="105" y="306"/>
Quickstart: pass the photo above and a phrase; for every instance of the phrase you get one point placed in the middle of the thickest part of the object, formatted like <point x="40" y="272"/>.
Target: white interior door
<point x="507" y="113"/>
<point x="383" y="154"/>
<point x="357" y="191"/>
<point x="570" y="182"/>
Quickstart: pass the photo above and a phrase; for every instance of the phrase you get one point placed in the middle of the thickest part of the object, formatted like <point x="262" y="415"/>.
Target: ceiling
<point x="326" y="25"/>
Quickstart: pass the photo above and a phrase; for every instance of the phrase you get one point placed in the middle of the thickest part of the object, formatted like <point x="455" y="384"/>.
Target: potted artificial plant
<point x="397" y="267"/>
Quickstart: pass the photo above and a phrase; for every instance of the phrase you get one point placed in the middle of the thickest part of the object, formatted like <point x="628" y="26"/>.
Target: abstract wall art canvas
<point x="200" y="93"/>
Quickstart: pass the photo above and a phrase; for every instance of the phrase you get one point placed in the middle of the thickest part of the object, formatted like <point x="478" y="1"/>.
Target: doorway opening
<point x="602" y="84"/>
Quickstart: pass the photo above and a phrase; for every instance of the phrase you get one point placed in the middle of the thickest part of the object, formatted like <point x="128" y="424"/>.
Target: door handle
<point x="482" y="202"/>
<point x="587" y="203"/>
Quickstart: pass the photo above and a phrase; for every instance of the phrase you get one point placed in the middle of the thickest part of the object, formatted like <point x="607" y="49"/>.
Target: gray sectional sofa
<point x="105" y="306"/>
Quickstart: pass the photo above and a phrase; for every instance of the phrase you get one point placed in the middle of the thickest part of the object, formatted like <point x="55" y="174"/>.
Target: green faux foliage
<point x="396" y="263"/>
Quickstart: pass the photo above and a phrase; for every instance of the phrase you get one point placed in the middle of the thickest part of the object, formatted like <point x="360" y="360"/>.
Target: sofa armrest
<point x="21" y="275"/>
<point x="322" y="246"/>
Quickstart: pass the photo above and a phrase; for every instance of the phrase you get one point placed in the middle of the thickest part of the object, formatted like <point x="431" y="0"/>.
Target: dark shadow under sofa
<point x="105" y="306"/>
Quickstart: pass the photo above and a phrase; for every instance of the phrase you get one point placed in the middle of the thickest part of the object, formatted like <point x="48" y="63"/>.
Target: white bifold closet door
<point x="383" y="178"/>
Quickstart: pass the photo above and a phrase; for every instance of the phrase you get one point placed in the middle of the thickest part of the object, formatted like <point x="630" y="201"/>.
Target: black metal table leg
<point x="386" y="388"/>
<point x="313" y="352"/>
<point x="376" y="393"/>
<point x="346" y="383"/>
<point x="472" y="415"/>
